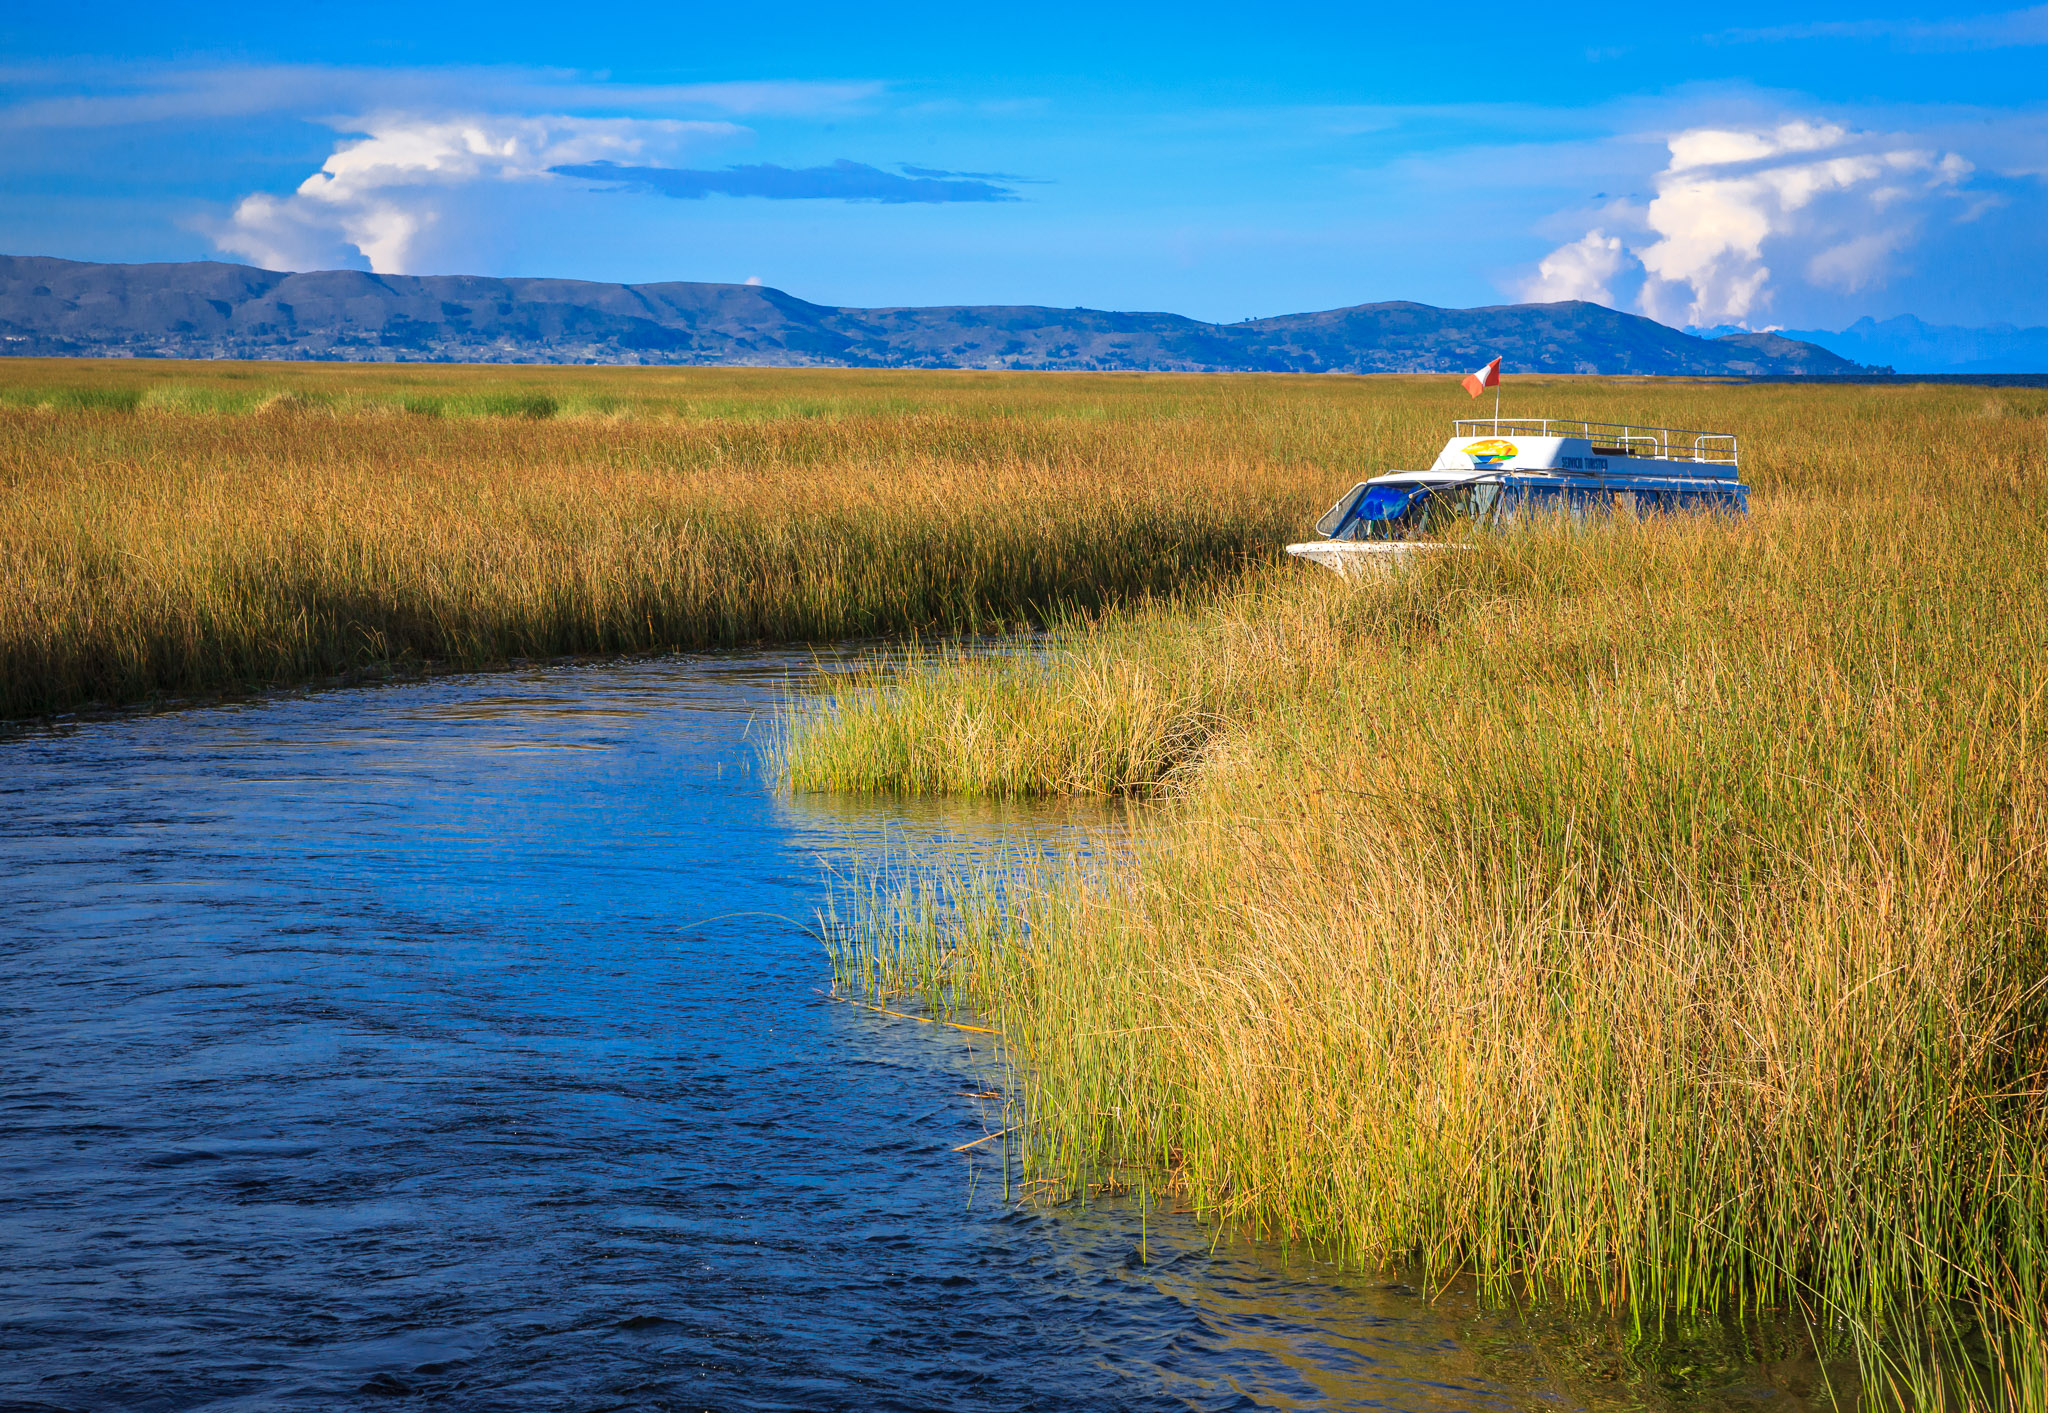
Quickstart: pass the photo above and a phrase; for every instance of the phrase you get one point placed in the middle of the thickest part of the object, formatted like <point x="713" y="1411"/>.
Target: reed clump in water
<point x="1653" y="914"/>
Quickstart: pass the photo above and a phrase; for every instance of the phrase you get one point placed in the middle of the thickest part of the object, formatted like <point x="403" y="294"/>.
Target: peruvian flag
<point x="1487" y="377"/>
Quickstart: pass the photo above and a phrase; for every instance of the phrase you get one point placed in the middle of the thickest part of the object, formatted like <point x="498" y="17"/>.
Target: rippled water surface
<point x="461" y="1045"/>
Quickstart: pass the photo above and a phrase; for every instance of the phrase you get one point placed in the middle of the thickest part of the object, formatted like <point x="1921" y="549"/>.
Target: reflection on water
<point x="459" y="1044"/>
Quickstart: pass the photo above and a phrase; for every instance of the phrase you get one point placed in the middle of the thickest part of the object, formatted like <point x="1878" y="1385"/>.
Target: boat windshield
<point x="1411" y="512"/>
<point x="1383" y="502"/>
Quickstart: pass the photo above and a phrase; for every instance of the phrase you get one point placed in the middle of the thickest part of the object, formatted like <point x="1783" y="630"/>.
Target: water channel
<point x="460" y="1044"/>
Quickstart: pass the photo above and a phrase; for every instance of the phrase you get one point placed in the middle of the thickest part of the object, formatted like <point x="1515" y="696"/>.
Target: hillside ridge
<point x="212" y="309"/>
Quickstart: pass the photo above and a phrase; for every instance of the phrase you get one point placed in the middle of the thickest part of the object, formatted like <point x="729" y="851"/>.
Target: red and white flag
<point x="1487" y="377"/>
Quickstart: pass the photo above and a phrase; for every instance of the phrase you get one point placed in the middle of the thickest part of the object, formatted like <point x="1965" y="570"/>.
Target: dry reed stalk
<point x="1652" y="915"/>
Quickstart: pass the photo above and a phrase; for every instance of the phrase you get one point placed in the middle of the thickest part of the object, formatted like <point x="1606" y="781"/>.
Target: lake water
<point x="460" y="1045"/>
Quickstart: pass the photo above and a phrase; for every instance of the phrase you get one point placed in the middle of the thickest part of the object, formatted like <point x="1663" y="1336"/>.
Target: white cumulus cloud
<point x="379" y="194"/>
<point x="1733" y="207"/>
<point x="1585" y="269"/>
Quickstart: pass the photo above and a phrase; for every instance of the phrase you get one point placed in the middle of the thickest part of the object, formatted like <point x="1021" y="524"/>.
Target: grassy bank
<point x="1655" y="915"/>
<point x="187" y="528"/>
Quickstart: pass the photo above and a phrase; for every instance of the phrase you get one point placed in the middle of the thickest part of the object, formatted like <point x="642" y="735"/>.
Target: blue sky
<point x="1743" y="164"/>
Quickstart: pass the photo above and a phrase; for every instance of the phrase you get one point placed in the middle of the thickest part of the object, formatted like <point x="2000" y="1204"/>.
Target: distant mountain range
<point x="206" y="309"/>
<point x="1910" y="345"/>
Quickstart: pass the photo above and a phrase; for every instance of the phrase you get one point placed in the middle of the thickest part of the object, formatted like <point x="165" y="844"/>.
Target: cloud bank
<point x="916" y="171"/>
<point x="406" y="187"/>
<point x="841" y="181"/>
<point x="379" y="194"/>
<point x="1735" y="205"/>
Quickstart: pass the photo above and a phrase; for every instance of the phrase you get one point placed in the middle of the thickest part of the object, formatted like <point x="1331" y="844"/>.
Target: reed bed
<point x="185" y="529"/>
<point x="1653" y="914"/>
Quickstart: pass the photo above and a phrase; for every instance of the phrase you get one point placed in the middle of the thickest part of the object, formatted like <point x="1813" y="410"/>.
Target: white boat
<point x="1493" y="470"/>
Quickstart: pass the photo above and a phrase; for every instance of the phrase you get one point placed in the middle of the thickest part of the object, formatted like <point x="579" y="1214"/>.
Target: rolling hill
<point x="208" y="309"/>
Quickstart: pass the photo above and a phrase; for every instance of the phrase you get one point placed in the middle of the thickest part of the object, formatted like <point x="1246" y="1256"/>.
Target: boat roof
<point x="1573" y="445"/>
<point x="1623" y="438"/>
<point x="1522" y="473"/>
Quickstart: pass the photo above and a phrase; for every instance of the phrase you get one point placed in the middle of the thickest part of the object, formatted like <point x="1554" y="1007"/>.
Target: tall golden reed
<point x="182" y="529"/>
<point x="1656" y="913"/>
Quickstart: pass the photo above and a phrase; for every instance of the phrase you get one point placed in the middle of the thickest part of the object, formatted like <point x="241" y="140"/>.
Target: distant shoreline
<point x="1956" y="380"/>
<point x="1982" y="380"/>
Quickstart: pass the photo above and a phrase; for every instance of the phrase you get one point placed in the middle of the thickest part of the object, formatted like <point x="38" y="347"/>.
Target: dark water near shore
<point x="459" y="1045"/>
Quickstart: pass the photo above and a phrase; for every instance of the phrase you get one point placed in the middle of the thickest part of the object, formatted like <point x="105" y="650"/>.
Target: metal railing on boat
<point x="1614" y="438"/>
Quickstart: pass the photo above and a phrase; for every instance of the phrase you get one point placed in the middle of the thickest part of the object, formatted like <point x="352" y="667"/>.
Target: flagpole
<point x="1496" y="403"/>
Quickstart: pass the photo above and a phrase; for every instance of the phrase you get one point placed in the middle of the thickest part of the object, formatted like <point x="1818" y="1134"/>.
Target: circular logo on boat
<point x="1491" y="452"/>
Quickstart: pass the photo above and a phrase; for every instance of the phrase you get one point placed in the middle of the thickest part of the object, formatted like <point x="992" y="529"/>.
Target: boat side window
<point x="1518" y="499"/>
<point x="1548" y="498"/>
<point x="1435" y="511"/>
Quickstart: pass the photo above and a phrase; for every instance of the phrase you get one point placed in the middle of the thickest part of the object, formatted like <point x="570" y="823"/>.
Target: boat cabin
<point x="1494" y="471"/>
